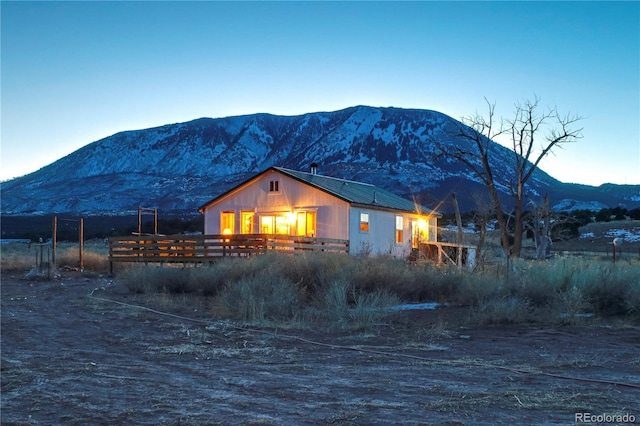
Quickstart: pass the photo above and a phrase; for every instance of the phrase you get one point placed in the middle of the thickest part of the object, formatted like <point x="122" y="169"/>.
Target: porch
<point x="206" y="248"/>
<point x="445" y="253"/>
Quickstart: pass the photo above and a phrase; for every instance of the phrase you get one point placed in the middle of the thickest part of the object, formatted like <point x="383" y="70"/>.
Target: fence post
<point x="54" y="240"/>
<point x="81" y="245"/>
<point x="41" y="245"/>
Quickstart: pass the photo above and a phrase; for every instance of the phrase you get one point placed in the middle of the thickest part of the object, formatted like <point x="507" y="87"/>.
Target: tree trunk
<point x="518" y="226"/>
<point x="502" y="224"/>
<point x="518" y="230"/>
<point x="542" y="231"/>
<point x="483" y="233"/>
<point x="543" y="246"/>
<point x="460" y="236"/>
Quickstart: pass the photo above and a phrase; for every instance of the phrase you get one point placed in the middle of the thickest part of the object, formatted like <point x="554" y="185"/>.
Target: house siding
<point x="381" y="238"/>
<point x="335" y="216"/>
<point x="332" y="213"/>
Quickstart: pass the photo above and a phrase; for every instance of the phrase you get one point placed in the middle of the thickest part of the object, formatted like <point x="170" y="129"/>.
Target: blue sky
<point x="76" y="72"/>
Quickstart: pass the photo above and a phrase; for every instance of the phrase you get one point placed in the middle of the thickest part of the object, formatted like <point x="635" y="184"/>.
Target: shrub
<point x="502" y="310"/>
<point x="211" y="279"/>
<point x="477" y="289"/>
<point x="541" y="282"/>
<point x="206" y="280"/>
<point x="341" y="306"/>
<point x="371" y="308"/>
<point x="443" y="284"/>
<point x="313" y="272"/>
<point x="333" y="303"/>
<point x="18" y="256"/>
<point x="91" y="260"/>
<point x="567" y="306"/>
<point x="25" y="256"/>
<point x="155" y="279"/>
<point x="633" y="299"/>
<point x="95" y="261"/>
<point x="368" y="274"/>
<point x="606" y="288"/>
<point x="350" y="291"/>
<point x="260" y="298"/>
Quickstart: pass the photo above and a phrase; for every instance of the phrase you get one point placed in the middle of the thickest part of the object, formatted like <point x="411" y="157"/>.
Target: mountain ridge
<point x="178" y="167"/>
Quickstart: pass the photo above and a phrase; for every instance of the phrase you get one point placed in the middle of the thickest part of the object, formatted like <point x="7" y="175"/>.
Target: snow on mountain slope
<point x="181" y="166"/>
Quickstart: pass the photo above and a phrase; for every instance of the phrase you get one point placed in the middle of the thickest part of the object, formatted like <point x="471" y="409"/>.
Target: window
<point x="306" y="223"/>
<point x="419" y="232"/>
<point x="227" y="223"/>
<point x="275" y="224"/>
<point x="311" y="224"/>
<point x="364" y="222"/>
<point x="274" y="186"/>
<point x="246" y="226"/>
<point x="399" y="229"/>
<point x="282" y="225"/>
<point x="267" y="224"/>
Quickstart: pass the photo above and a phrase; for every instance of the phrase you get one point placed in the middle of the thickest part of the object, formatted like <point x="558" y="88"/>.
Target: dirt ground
<point x="68" y="358"/>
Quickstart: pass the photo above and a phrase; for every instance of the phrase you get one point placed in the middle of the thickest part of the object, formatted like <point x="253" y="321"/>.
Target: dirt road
<point x="71" y="359"/>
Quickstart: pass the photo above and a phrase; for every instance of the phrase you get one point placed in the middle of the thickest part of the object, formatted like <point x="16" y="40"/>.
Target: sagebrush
<point x="332" y="287"/>
<point x="328" y="287"/>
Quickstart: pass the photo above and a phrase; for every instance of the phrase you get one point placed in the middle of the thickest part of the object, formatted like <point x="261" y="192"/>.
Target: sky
<point x="75" y="72"/>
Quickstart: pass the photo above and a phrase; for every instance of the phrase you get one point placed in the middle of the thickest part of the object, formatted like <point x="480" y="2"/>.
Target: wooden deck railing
<point x="447" y="253"/>
<point x="203" y="248"/>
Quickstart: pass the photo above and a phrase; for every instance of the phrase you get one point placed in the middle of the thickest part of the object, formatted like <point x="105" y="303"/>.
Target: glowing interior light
<point x="291" y="218"/>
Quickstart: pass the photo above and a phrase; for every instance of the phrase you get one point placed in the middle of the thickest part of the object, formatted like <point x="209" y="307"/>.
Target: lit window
<point x="364" y="222"/>
<point x="311" y="224"/>
<point x="267" y="224"/>
<point x="227" y="223"/>
<point x="399" y="229"/>
<point x="282" y="224"/>
<point x="274" y="186"/>
<point x="276" y="224"/>
<point x="247" y="223"/>
<point x="420" y="232"/>
<point x="306" y="224"/>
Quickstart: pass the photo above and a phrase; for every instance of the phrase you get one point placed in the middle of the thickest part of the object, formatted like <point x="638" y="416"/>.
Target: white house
<point x="289" y="202"/>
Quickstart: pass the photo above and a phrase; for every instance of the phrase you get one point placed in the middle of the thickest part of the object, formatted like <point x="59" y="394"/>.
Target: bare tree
<point x="524" y="129"/>
<point x="480" y="219"/>
<point x="540" y="226"/>
<point x="546" y="225"/>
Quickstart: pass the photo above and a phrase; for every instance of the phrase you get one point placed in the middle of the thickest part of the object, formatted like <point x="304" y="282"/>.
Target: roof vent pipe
<point x="314" y="168"/>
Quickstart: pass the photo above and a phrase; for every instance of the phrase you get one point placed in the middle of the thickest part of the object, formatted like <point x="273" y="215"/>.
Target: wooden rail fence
<point x="205" y="248"/>
<point x="446" y="253"/>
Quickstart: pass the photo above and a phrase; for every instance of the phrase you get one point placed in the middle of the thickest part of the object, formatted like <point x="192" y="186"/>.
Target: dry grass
<point x="346" y="291"/>
<point x="264" y="298"/>
<point x="353" y="292"/>
<point x="24" y="256"/>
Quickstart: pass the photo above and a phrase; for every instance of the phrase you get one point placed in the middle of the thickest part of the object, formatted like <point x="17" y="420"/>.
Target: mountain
<point x="179" y="167"/>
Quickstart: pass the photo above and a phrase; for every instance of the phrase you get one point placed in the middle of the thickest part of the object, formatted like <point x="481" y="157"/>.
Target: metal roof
<point x="356" y="192"/>
<point x="359" y="193"/>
